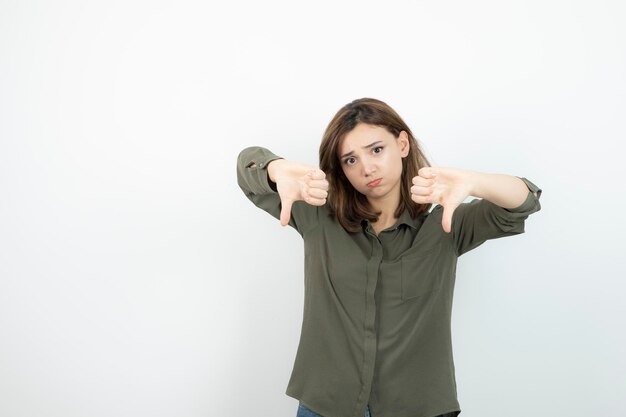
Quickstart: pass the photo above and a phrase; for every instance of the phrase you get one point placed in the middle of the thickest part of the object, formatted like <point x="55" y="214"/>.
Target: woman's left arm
<point x="506" y="191"/>
<point x="505" y="200"/>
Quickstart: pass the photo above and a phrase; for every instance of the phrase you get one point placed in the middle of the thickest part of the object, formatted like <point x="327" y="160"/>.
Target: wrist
<point x="272" y="168"/>
<point x="475" y="180"/>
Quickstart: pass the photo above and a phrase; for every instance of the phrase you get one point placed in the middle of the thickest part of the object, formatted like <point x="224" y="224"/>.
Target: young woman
<point x="379" y="264"/>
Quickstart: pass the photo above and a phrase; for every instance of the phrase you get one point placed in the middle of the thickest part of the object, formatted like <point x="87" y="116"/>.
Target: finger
<point x="285" y="212"/>
<point x="421" y="190"/>
<point x="424" y="182"/>
<point x="427" y="172"/>
<point x="323" y="184"/>
<point x="317" y="174"/>
<point x="446" y="220"/>
<point x="315" y="201"/>
<point x="422" y="199"/>
<point x="316" y="193"/>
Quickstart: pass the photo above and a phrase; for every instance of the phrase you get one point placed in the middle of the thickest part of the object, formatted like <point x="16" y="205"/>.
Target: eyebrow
<point x="364" y="147"/>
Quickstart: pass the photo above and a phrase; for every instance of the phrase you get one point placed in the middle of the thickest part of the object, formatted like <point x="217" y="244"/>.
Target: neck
<point x="387" y="206"/>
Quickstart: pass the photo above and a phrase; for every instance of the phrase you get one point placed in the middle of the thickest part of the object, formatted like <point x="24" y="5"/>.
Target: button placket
<point x="370" y="340"/>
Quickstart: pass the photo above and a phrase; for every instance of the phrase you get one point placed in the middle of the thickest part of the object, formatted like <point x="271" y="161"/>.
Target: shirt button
<point x="261" y="164"/>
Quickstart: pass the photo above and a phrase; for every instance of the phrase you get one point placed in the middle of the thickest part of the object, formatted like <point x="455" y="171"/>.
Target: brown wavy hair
<point x="344" y="201"/>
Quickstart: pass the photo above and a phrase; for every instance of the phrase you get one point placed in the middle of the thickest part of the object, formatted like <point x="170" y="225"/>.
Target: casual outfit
<point x="377" y="308"/>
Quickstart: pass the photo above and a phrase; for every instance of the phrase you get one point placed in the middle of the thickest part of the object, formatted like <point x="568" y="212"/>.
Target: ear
<point x="403" y="142"/>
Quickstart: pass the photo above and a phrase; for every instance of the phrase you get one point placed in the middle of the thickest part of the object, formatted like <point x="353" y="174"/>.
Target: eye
<point x="378" y="147"/>
<point x="345" y="161"/>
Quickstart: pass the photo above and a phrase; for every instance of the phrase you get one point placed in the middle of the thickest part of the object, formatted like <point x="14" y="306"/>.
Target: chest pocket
<point x="420" y="274"/>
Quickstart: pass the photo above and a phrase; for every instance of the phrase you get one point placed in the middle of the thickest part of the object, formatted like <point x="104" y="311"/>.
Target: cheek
<point x="349" y="175"/>
<point x="394" y="162"/>
<point x="399" y="166"/>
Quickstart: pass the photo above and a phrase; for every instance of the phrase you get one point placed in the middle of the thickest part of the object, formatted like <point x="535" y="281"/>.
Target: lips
<point x="374" y="183"/>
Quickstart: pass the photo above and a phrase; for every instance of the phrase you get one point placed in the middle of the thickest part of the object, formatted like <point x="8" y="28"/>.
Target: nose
<point x="368" y="168"/>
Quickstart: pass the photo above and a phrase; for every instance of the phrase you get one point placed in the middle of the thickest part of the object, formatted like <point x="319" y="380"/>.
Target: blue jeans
<point x="306" y="412"/>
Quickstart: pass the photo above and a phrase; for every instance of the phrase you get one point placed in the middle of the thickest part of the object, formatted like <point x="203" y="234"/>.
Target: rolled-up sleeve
<point x="479" y="220"/>
<point x="254" y="181"/>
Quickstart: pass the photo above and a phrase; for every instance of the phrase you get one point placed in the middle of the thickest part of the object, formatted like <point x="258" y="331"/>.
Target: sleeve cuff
<point x="256" y="164"/>
<point x="531" y="199"/>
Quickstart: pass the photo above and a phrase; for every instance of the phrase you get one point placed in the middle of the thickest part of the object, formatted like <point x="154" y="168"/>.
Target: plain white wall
<point x="137" y="280"/>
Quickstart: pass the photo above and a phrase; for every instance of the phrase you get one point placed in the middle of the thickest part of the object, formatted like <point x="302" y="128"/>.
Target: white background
<point x="137" y="280"/>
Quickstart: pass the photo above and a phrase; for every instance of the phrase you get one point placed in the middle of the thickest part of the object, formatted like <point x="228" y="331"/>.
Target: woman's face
<point x="370" y="153"/>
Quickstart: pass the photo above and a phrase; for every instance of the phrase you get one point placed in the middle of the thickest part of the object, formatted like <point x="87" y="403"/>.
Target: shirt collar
<point x="405" y="218"/>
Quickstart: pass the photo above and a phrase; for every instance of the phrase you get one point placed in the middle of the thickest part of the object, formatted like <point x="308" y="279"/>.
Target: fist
<point x="447" y="187"/>
<point x="296" y="181"/>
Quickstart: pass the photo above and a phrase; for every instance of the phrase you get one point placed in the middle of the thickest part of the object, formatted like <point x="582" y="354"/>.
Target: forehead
<point x="362" y="135"/>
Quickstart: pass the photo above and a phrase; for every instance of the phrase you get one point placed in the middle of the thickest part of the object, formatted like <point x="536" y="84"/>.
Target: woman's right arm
<point x="290" y="178"/>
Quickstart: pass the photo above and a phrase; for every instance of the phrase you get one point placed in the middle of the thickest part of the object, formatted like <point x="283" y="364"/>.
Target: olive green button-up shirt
<point x="377" y="309"/>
